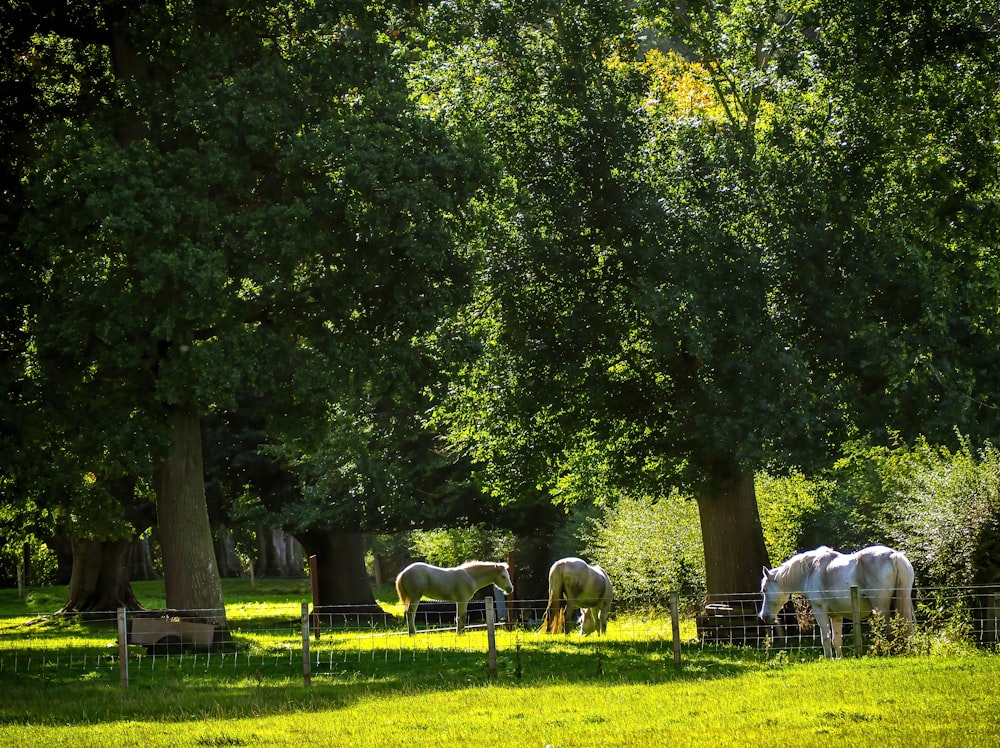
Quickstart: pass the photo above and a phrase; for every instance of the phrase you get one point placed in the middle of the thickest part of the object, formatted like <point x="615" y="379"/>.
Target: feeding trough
<point x="170" y="635"/>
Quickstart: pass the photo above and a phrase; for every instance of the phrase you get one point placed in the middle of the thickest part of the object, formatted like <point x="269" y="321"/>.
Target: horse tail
<point x="904" y="586"/>
<point x="557" y="620"/>
<point x="404" y="596"/>
<point x="552" y="621"/>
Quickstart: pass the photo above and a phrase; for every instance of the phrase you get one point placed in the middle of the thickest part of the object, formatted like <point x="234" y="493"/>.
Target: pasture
<point x="433" y="689"/>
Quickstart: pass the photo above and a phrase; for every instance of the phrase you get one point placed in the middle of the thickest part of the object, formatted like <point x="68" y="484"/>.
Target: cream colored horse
<point x="575" y="583"/>
<point x="457" y="584"/>
<point x="825" y="577"/>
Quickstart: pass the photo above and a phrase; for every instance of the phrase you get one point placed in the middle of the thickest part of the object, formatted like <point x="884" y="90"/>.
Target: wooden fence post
<point x="491" y="638"/>
<point x="994" y="629"/>
<point x="512" y="611"/>
<point x="306" y="665"/>
<point x="122" y="648"/>
<point x="675" y="628"/>
<point x="856" y="619"/>
<point x="314" y="579"/>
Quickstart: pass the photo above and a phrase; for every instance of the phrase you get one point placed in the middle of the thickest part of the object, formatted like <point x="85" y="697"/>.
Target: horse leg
<point x="460" y="609"/>
<point x="553" y="612"/>
<point x="837" y="628"/>
<point x="411" y="618"/>
<point x="825" y="632"/>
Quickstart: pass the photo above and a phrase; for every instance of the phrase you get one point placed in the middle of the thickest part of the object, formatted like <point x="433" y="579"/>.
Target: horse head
<point x="774" y="596"/>
<point x="587" y="621"/>
<point x="503" y="580"/>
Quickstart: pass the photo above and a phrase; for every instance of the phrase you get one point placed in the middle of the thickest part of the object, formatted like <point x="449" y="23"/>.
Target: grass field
<point x="619" y="691"/>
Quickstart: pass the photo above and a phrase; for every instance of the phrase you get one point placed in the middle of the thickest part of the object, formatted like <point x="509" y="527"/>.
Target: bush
<point x="795" y="513"/>
<point x="649" y="549"/>
<point x="949" y="514"/>
<point x="41" y="562"/>
<point x="455" y="546"/>
<point x="941" y="508"/>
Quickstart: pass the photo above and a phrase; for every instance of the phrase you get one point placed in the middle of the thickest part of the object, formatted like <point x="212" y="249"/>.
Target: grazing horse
<point x="825" y="577"/>
<point x="572" y="583"/>
<point x="458" y="584"/>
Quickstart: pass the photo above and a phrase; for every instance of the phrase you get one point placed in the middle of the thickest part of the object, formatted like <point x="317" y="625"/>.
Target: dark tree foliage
<point x="708" y="290"/>
<point x="222" y="198"/>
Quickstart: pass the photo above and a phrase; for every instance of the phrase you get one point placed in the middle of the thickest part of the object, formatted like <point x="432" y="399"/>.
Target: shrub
<point x="794" y="512"/>
<point x="949" y="510"/>
<point x="649" y="548"/>
<point x="940" y="507"/>
<point x="455" y="546"/>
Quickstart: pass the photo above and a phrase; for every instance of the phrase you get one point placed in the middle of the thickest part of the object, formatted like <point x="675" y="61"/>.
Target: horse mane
<point x="792" y="573"/>
<point x="467" y="564"/>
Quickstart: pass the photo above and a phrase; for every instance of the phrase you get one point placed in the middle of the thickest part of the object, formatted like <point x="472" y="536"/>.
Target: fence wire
<point x="342" y="643"/>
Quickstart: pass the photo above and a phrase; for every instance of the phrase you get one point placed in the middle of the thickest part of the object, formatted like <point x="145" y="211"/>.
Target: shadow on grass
<point x="239" y="686"/>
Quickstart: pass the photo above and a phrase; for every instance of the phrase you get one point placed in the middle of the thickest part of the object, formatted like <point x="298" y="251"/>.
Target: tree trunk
<point x="733" y="537"/>
<point x="140" y="560"/>
<point x="278" y="553"/>
<point x="341" y="571"/>
<point x="225" y="554"/>
<point x="190" y="573"/>
<point x="99" y="580"/>
<point x="293" y="560"/>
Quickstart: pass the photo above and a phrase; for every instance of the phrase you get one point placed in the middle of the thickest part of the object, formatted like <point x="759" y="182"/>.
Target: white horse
<point x="457" y="584"/>
<point x="575" y="583"/>
<point x="825" y="577"/>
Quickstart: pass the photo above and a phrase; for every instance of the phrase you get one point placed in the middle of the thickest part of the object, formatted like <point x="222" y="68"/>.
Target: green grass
<point x="374" y="689"/>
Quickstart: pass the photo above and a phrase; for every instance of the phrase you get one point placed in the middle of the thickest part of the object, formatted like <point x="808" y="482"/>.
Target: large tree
<point x="729" y="259"/>
<point x="251" y="201"/>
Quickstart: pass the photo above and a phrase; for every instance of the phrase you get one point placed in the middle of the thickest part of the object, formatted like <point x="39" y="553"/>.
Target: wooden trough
<point x="170" y="635"/>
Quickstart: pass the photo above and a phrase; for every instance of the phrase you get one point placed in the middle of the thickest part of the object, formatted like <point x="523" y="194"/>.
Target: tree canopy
<point x="668" y="244"/>
<point x="245" y="197"/>
<point x="767" y="230"/>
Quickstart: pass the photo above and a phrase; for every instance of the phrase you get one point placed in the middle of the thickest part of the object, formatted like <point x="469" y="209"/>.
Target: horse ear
<point x="769" y="573"/>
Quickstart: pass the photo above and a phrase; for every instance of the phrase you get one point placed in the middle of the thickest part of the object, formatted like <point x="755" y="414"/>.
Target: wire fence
<point x="344" y="643"/>
<point x="952" y="615"/>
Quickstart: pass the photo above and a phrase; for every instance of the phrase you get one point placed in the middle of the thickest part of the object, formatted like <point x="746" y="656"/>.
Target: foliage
<point x="506" y="244"/>
<point x="945" y="627"/>
<point x="949" y="513"/>
<point x="862" y="480"/>
<point x="452" y="547"/>
<point x="795" y="514"/>
<point x="724" y="260"/>
<point x="393" y="550"/>
<point x="228" y="201"/>
<point x="649" y="548"/>
<point x="940" y="506"/>
<point x="26" y="560"/>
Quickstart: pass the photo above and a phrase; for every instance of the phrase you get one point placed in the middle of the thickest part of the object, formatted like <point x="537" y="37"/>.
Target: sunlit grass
<point x="892" y="701"/>
<point x="380" y="687"/>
